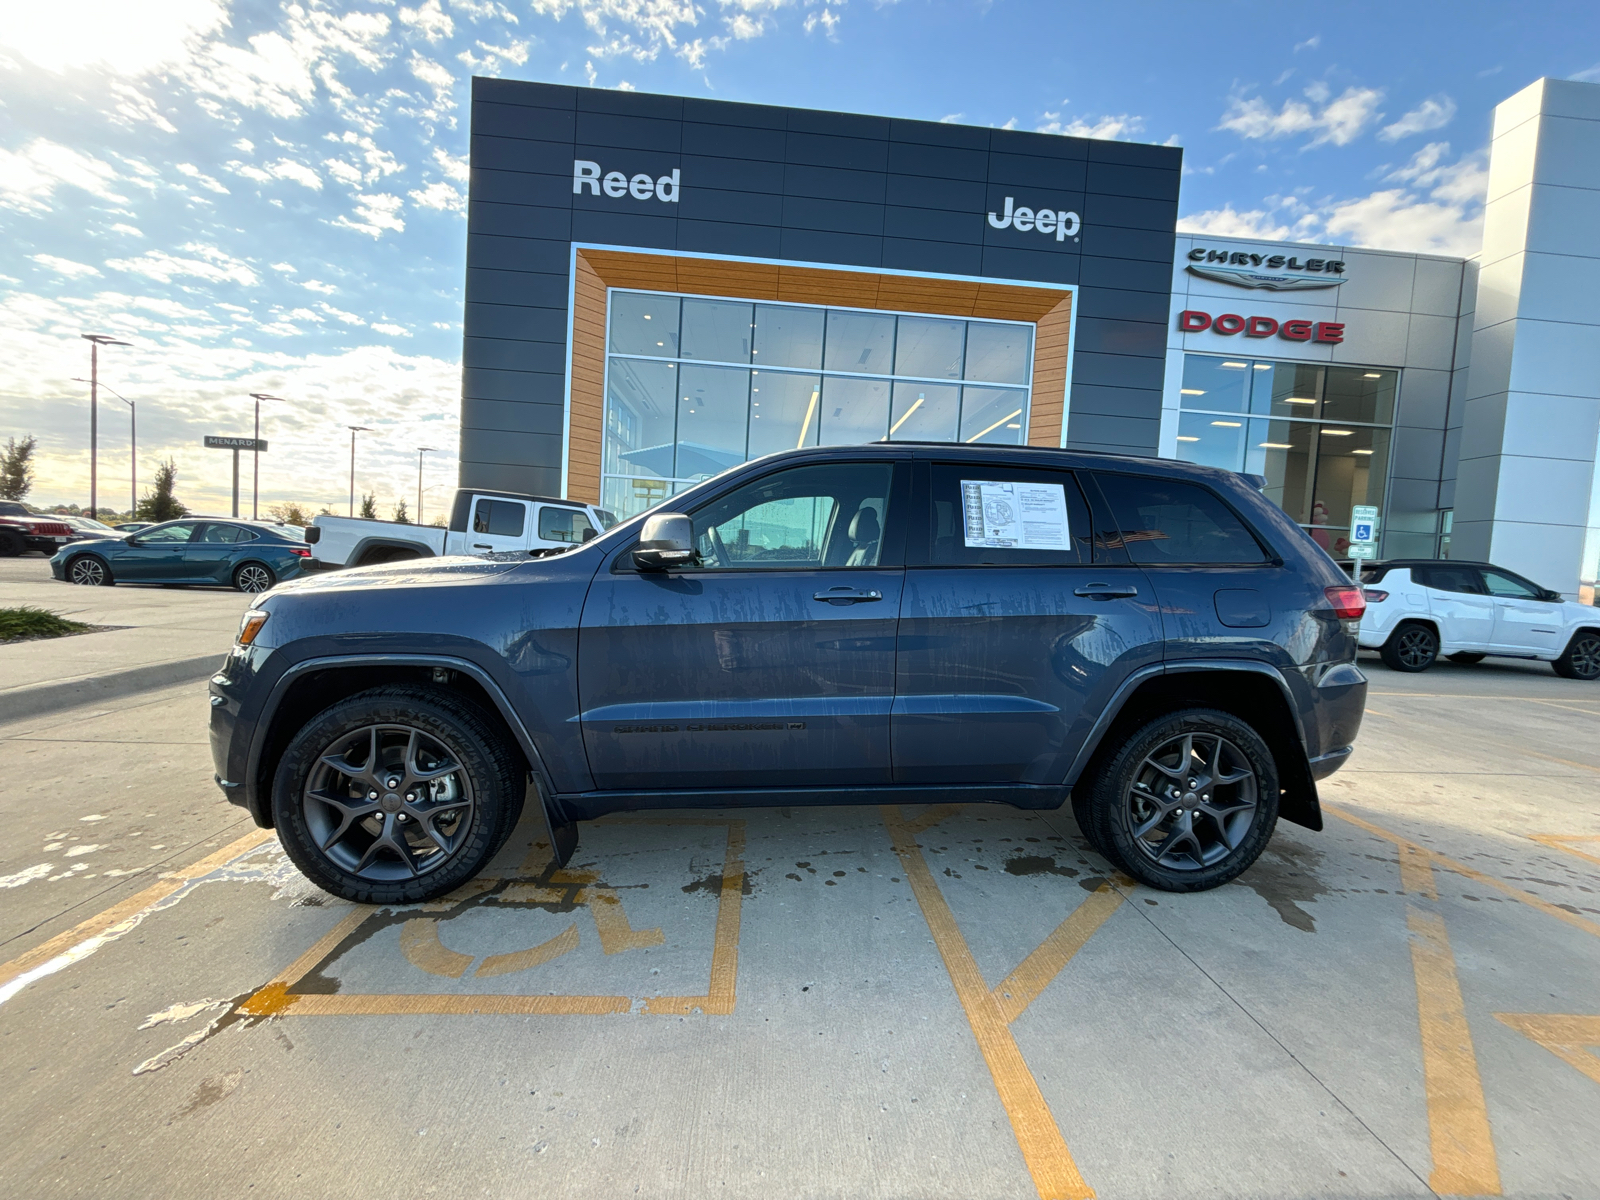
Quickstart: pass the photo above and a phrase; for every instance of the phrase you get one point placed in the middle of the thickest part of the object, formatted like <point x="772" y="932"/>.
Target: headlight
<point x="250" y="625"/>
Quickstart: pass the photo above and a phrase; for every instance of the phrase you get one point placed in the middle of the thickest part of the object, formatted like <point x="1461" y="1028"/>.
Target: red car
<point x="21" y="530"/>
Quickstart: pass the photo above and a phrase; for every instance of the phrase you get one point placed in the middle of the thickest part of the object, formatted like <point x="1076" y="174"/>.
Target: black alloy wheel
<point x="1411" y="648"/>
<point x="396" y="795"/>
<point x="88" y="571"/>
<point x="254" y="577"/>
<point x="1187" y="802"/>
<point x="11" y="544"/>
<point x="1467" y="657"/>
<point x="1581" y="658"/>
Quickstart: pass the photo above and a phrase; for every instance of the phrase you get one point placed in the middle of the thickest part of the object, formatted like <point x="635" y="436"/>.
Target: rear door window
<point x="993" y="514"/>
<point x="499" y="518"/>
<point x="1450" y="579"/>
<point x="1169" y="521"/>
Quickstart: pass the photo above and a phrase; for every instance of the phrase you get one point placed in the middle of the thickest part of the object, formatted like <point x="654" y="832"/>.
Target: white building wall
<point x="1526" y="495"/>
<point x="1399" y="311"/>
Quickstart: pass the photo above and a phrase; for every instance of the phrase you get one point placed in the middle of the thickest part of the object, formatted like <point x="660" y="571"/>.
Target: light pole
<point x="354" y="429"/>
<point x="96" y="340"/>
<point x="133" y="442"/>
<point x="255" y="466"/>
<point x="421" y="450"/>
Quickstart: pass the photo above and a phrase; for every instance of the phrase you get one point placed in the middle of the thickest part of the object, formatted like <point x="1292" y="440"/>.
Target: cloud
<point x="1433" y="113"/>
<point x="827" y="19"/>
<point x="1434" y="206"/>
<point x="1121" y="127"/>
<point x="1339" y="121"/>
<point x="375" y="213"/>
<point x="30" y="176"/>
<point x="391" y="329"/>
<point x="952" y="118"/>
<point x="65" y="266"/>
<point x="204" y="180"/>
<point x="1591" y="75"/>
<point x="1311" y="43"/>
<point x="284" y="169"/>
<point x="128" y="39"/>
<point x="439" y="195"/>
<point x="209" y="264"/>
<point x="1226" y="222"/>
<point x="429" y="20"/>
<point x="127" y="230"/>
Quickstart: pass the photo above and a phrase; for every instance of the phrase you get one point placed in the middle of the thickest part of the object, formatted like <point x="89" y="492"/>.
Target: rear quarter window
<point x="1169" y="521"/>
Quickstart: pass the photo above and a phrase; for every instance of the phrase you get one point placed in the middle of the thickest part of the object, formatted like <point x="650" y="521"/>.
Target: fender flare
<point x="258" y="800"/>
<point x="387" y="543"/>
<point x="1132" y="683"/>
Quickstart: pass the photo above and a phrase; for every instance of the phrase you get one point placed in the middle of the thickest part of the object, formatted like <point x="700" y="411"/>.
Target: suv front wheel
<point x="396" y="795"/>
<point x="1187" y="803"/>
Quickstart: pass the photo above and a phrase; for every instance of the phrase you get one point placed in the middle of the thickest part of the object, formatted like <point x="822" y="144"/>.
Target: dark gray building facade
<point x="934" y="222"/>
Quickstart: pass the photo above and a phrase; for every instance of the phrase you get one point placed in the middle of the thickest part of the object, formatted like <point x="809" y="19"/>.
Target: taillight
<point x="1374" y="595"/>
<point x="1346" y="601"/>
<point x="300" y="550"/>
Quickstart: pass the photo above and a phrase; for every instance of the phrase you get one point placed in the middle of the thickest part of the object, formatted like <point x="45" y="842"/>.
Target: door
<point x="156" y="555"/>
<point x="1524" y="622"/>
<point x="1219" y="592"/>
<point x="211" y="554"/>
<point x="1461" y="605"/>
<point x="1015" y="630"/>
<point x="497" y="526"/>
<point x="768" y="663"/>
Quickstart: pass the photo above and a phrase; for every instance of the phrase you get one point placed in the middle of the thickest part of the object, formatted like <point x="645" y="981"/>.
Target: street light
<point x="133" y="441"/>
<point x="421" y="450"/>
<point x="96" y="340"/>
<point x="255" y="467"/>
<point x="354" y="429"/>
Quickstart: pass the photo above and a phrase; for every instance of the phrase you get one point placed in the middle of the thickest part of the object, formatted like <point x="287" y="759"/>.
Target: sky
<point x="271" y="197"/>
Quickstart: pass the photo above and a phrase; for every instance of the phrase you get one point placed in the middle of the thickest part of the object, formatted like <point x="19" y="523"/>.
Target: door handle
<point x="1106" y="591"/>
<point x="844" y="594"/>
<point x="481" y="546"/>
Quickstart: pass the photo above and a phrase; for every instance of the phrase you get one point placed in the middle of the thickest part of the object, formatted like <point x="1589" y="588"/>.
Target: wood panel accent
<point x="1048" y="308"/>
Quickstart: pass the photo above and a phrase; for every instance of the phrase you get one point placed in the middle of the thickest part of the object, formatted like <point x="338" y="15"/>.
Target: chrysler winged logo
<point x="1275" y="272"/>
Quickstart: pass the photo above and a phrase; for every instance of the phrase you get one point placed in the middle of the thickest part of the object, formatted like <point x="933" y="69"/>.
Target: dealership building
<point x="659" y="288"/>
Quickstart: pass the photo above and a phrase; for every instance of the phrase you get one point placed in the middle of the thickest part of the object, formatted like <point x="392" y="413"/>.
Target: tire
<point x="1145" y="825"/>
<point x="365" y="850"/>
<point x="1411" y="648"/>
<point x="89" y="570"/>
<point x="11" y="545"/>
<point x="253" y="577"/>
<point x="1467" y="657"/>
<point x="1581" y="658"/>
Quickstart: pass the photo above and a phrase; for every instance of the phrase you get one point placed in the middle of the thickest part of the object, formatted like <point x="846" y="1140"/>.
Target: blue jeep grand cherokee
<point x="1155" y="641"/>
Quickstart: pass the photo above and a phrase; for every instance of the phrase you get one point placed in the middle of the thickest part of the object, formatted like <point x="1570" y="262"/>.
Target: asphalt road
<point x="909" y="1002"/>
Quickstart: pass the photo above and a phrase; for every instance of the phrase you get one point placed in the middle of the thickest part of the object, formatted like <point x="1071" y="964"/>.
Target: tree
<point x="16" y="468"/>
<point x="369" y="507"/>
<point x="401" y="517"/>
<point x="160" y="504"/>
<point x="291" y="514"/>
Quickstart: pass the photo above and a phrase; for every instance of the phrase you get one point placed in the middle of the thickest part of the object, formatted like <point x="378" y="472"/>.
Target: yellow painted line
<point x="171" y="881"/>
<point x="525" y="960"/>
<point x="719" y="997"/>
<point x="1372" y="712"/>
<point x="419" y="942"/>
<point x="1043" y="1148"/>
<point x="1437" y="859"/>
<point x="931" y="816"/>
<point x="1568" y="1037"/>
<point x="1458" y="1118"/>
<point x="1416" y="873"/>
<point x="1560" y="842"/>
<point x="1588" y="712"/>
<point x="456" y="1004"/>
<point x="1033" y="974"/>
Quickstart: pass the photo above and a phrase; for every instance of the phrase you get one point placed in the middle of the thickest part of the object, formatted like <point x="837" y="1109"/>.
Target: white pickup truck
<point x="481" y="523"/>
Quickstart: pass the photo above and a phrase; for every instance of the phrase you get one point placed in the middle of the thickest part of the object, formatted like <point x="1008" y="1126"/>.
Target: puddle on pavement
<point x="1285" y="877"/>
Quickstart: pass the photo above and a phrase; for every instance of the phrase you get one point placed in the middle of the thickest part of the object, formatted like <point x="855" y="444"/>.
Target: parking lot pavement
<point x="914" y="1001"/>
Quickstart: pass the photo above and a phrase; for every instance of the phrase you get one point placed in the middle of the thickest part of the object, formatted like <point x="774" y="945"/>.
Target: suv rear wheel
<point x="1581" y="658"/>
<point x="1412" y="647"/>
<point x="1187" y="803"/>
<point x="396" y="795"/>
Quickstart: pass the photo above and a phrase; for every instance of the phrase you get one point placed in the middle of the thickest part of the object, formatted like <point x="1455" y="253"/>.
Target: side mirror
<point x="589" y="534"/>
<point x="132" y="539"/>
<point x="668" y="541"/>
<point x="1551" y="596"/>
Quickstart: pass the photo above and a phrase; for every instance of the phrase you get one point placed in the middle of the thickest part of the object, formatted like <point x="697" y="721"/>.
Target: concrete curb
<point x="38" y="699"/>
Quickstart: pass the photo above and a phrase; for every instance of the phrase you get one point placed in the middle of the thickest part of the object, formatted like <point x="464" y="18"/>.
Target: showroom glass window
<point x="695" y="385"/>
<point x="1319" y="433"/>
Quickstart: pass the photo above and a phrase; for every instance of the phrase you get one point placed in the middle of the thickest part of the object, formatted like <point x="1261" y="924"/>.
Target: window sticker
<point x="1015" y="516"/>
